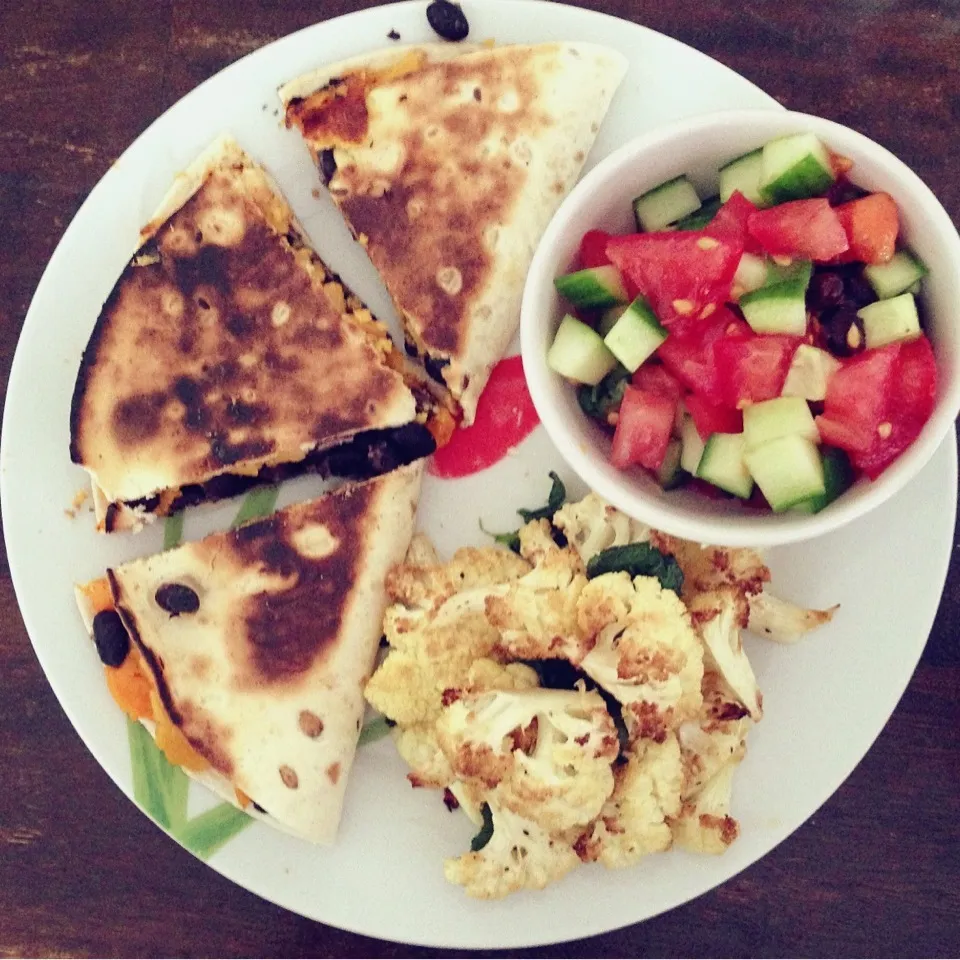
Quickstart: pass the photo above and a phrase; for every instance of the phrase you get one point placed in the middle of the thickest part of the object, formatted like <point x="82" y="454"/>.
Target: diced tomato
<point x="656" y="377"/>
<point x="753" y="369"/>
<point x="911" y="395"/>
<point x="730" y="222"/>
<point x="644" y="426"/>
<point x="689" y="352"/>
<point x="841" y="165"/>
<point x="856" y="400"/>
<point x="801" y="228"/>
<point x="871" y="224"/>
<point x="712" y="417"/>
<point x="593" y="249"/>
<point x="680" y="272"/>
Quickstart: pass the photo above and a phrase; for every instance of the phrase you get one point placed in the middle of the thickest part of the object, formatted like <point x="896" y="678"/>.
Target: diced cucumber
<point x="593" y="289"/>
<point x="700" y="218"/>
<point x="723" y="464"/>
<point x="665" y="204"/>
<point x="795" y="167"/>
<point x="895" y="277"/>
<point x="766" y="421"/>
<point x="751" y="275"/>
<point x="670" y="474"/>
<point x="838" y="477"/>
<point x="810" y="370"/>
<point x="744" y="174"/>
<point x="609" y="317"/>
<point x="635" y="335"/>
<point x="890" y="321"/>
<point x="780" y="306"/>
<point x="578" y="352"/>
<point x="691" y="445"/>
<point x="788" y="470"/>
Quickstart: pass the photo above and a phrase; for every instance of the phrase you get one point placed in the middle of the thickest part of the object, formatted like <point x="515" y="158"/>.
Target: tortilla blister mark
<point x="265" y="677"/>
<point x="448" y="161"/>
<point x="228" y="355"/>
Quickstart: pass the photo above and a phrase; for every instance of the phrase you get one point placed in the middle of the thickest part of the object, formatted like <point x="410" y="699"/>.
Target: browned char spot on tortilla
<point x="442" y="172"/>
<point x="188" y="364"/>
<point x="209" y="738"/>
<point x="286" y="630"/>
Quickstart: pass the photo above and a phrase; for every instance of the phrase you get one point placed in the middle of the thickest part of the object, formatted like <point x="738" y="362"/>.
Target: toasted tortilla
<point x="228" y="354"/>
<point x="448" y="161"/>
<point x="266" y="678"/>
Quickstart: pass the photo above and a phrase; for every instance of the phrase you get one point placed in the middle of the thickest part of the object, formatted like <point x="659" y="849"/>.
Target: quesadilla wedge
<point x="228" y="355"/>
<point x="247" y="652"/>
<point x="448" y="161"/>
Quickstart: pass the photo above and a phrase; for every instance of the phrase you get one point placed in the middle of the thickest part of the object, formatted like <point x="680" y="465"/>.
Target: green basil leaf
<point x="485" y="832"/>
<point x="639" y="560"/>
<point x="556" y="499"/>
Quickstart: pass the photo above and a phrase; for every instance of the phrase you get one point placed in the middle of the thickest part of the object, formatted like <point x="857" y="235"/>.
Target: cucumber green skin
<point x="700" y="218"/>
<point x="838" y="478"/>
<point x="786" y="288"/>
<point x="578" y="353"/>
<point x="636" y="335"/>
<point x="773" y="466"/>
<point x="733" y="170"/>
<point x="716" y="447"/>
<point x="671" y="474"/>
<point x="897" y="276"/>
<point x="890" y="321"/>
<point x="642" y="205"/>
<point x="588" y="291"/>
<point x="803" y="180"/>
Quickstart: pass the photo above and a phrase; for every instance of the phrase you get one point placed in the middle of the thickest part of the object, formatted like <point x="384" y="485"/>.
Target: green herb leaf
<point x="173" y="530"/>
<point x="206" y="834"/>
<point x="599" y="400"/>
<point x="158" y="786"/>
<point x="557" y="498"/>
<point x="639" y="560"/>
<point x="373" y="730"/>
<point x="257" y="503"/>
<point x="486" y="831"/>
<point x="510" y="539"/>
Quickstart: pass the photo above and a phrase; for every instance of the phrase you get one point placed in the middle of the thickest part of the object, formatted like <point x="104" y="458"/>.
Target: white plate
<point x="826" y="699"/>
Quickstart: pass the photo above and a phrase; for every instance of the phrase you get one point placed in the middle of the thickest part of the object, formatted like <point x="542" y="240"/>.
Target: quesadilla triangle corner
<point x="448" y="161"/>
<point x="229" y="355"/>
<point x="251" y="648"/>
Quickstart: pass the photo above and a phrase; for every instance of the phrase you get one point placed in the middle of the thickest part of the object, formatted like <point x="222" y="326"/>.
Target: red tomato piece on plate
<point x="593" y="249"/>
<point x="730" y="222"/>
<point x="656" y="377"/>
<point x="856" y="400"/>
<point x="644" y="425"/>
<point x="713" y="417"/>
<point x="680" y="272"/>
<point x="689" y="352"/>
<point x="872" y="225"/>
<point x="911" y="395"/>
<point x="753" y="369"/>
<point x="801" y="228"/>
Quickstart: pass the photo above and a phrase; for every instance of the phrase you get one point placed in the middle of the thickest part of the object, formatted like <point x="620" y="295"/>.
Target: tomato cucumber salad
<point x="766" y="343"/>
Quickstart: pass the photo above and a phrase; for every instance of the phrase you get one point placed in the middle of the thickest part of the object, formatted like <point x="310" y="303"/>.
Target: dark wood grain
<point x="875" y="872"/>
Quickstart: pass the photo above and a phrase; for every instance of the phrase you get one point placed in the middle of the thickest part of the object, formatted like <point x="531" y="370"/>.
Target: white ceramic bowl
<point x="698" y="148"/>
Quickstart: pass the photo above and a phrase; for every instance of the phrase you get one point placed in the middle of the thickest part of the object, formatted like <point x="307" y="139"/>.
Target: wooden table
<point x="875" y="872"/>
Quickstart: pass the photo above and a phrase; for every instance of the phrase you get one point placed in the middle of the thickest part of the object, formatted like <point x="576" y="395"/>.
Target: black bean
<point x="177" y="598"/>
<point x="844" y="191"/>
<point x="826" y="290"/>
<point x="328" y="165"/>
<point x="448" y="20"/>
<point x="841" y="331"/>
<point x="434" y="367"/>
<point x="857" y="288"/>
<point x="111" y="638"/>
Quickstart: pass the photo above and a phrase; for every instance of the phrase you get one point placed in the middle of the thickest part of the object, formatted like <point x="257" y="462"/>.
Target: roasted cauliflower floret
<point x="719" y="617"/>
<point x="544" y="754"/>
<point x="520" y="855"/>
<point x="592" y="525"/>
<point x="418" y="746"/>
<point x="429" y="585"/>
<point x="704" y="824"/>
<point x="644" y="652"/>
<point x="707" y="568"/>
<point x="634" y="822"/>
<point x="783" y="621"/>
